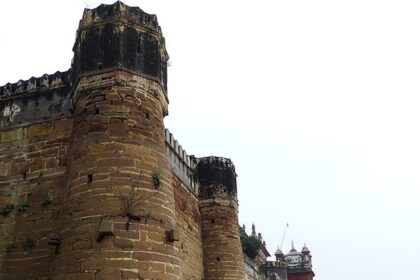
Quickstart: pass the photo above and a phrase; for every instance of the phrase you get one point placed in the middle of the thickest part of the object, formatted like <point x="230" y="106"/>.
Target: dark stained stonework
<point x="120" y="36"/>
<point x="75" y="145"/>
<point x="35" y="100"/>
<point x="217" y="177"/>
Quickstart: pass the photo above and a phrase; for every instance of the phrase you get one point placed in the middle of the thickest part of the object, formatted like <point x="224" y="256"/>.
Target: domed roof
<point x="305" y="249"/>
<point x="278" y="252"/>
<point x="294" y="258"/>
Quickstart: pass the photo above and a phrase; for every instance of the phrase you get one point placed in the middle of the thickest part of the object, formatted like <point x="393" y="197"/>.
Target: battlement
<point x="120" y="36"/>
<point x="218" y="162"/>
<point x="217" y="178"/>
<point x="274" y="264"/>
<point x="72" y="146"/>
<point x="45" y="82"/>
<point x="120" y="12"/>
<point x="35" y="100"/>
<point x="181" y="163"/>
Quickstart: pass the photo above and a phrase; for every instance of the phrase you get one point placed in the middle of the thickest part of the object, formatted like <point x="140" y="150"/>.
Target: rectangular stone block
<point x="39" y="129"/>
<point x="11" y="135"/>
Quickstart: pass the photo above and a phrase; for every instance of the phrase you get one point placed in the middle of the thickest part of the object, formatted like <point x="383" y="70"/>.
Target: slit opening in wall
<point x="218" y="259"/>
<point x="101" y="49"/>
<point x="212" y="221"/>
<point x="96" y="111"/>
<point x="90" y="178"/>
<point x="147" y="116"/>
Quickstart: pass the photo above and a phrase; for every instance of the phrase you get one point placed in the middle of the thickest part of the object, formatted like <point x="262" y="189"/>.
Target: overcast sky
<point x="316" y="102"/>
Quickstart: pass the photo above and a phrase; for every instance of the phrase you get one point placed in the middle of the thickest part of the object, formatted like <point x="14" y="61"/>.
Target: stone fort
<point x="92" y="186"/>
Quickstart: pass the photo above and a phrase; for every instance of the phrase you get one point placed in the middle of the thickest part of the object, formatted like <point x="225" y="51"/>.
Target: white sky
<point x="316" y="102"/>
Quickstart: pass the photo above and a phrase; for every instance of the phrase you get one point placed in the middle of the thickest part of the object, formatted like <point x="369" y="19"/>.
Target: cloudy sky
<point x="316" y="102"/>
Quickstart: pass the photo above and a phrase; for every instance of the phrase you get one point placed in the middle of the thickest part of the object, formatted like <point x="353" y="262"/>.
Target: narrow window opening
<point x="138" y="46"/>
<point x="147" y="116"/>
<point x="101" y="49"/>
<point x="24" y="175"/>
<point x="96" y="111"/>
<point x="212" y="221"/>
<point x="218" y="259"/>
<point x="90" y="178"/>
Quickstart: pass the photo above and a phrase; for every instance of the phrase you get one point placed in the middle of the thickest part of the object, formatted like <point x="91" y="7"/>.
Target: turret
<point x="279" y="255"/>
<point x="119" y="36"/>
<point x="307" y="258"/>
<point x="222" y="251"/>
<point x="118" y="210"/>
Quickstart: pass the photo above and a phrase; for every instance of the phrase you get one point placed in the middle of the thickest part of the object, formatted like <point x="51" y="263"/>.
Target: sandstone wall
<point x="222" y="251"/>
<point x="91" y="184"/>
<point x="32" y="176"/>
<point x="117" y="148"/>
<point x="188" y="222"/>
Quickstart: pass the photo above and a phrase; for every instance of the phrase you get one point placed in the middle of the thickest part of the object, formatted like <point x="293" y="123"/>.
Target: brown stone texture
<point x="188" y="224"/>
<point x="114" y="149"/>
<point x="88" y="190"/>
<point x="32" y="173"/>
<point x="222" y="251"/>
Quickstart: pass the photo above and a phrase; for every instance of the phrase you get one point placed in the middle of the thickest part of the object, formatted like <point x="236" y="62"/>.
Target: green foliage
<point x="156" y="179"/>
<point x="250" y="246"/>
<point x="7" y="208"/>
<point x="22" y="207"/>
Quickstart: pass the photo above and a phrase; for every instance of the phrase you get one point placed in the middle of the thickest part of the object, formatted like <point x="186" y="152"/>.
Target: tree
<point x="250" y="245"/>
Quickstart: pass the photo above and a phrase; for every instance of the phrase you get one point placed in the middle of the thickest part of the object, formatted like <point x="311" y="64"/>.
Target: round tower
<point x="222" y="251"/>
<point x="118" y="207"/>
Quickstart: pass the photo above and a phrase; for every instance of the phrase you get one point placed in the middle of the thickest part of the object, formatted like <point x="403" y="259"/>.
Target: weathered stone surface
<point x="74" y="146"/>
<point x="222" y="251"/>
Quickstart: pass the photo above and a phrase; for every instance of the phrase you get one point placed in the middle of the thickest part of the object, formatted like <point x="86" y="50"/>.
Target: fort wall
<point x="35" y="101"/>
<point x="222" y="250"/>
<point x="92" y="186"/>
<point x="32" y="175"/>
<point x="182" y="165"/>
<point x="188" y="220"/>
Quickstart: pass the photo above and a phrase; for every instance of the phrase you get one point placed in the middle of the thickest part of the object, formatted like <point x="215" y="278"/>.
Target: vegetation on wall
<point x="6" y="209"/>
<point x="133" y="202"/>
<point x="157" y="177"/>
<point x="250" y="245"/>
<point x="22" y="207"/>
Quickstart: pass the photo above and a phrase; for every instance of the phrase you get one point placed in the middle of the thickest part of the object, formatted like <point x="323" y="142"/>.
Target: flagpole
<point x="284" y="234"/>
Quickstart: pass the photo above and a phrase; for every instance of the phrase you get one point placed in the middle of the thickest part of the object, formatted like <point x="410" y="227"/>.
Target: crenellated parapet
<point x="119" y="36"/>
<point x="43" y="83"/>
<point x="182" y="164"/>
<point x="217" y="178"/>
<point x="35" y="100"/>
<point x="121" y="12"/>
<point x="218" y="162"/>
